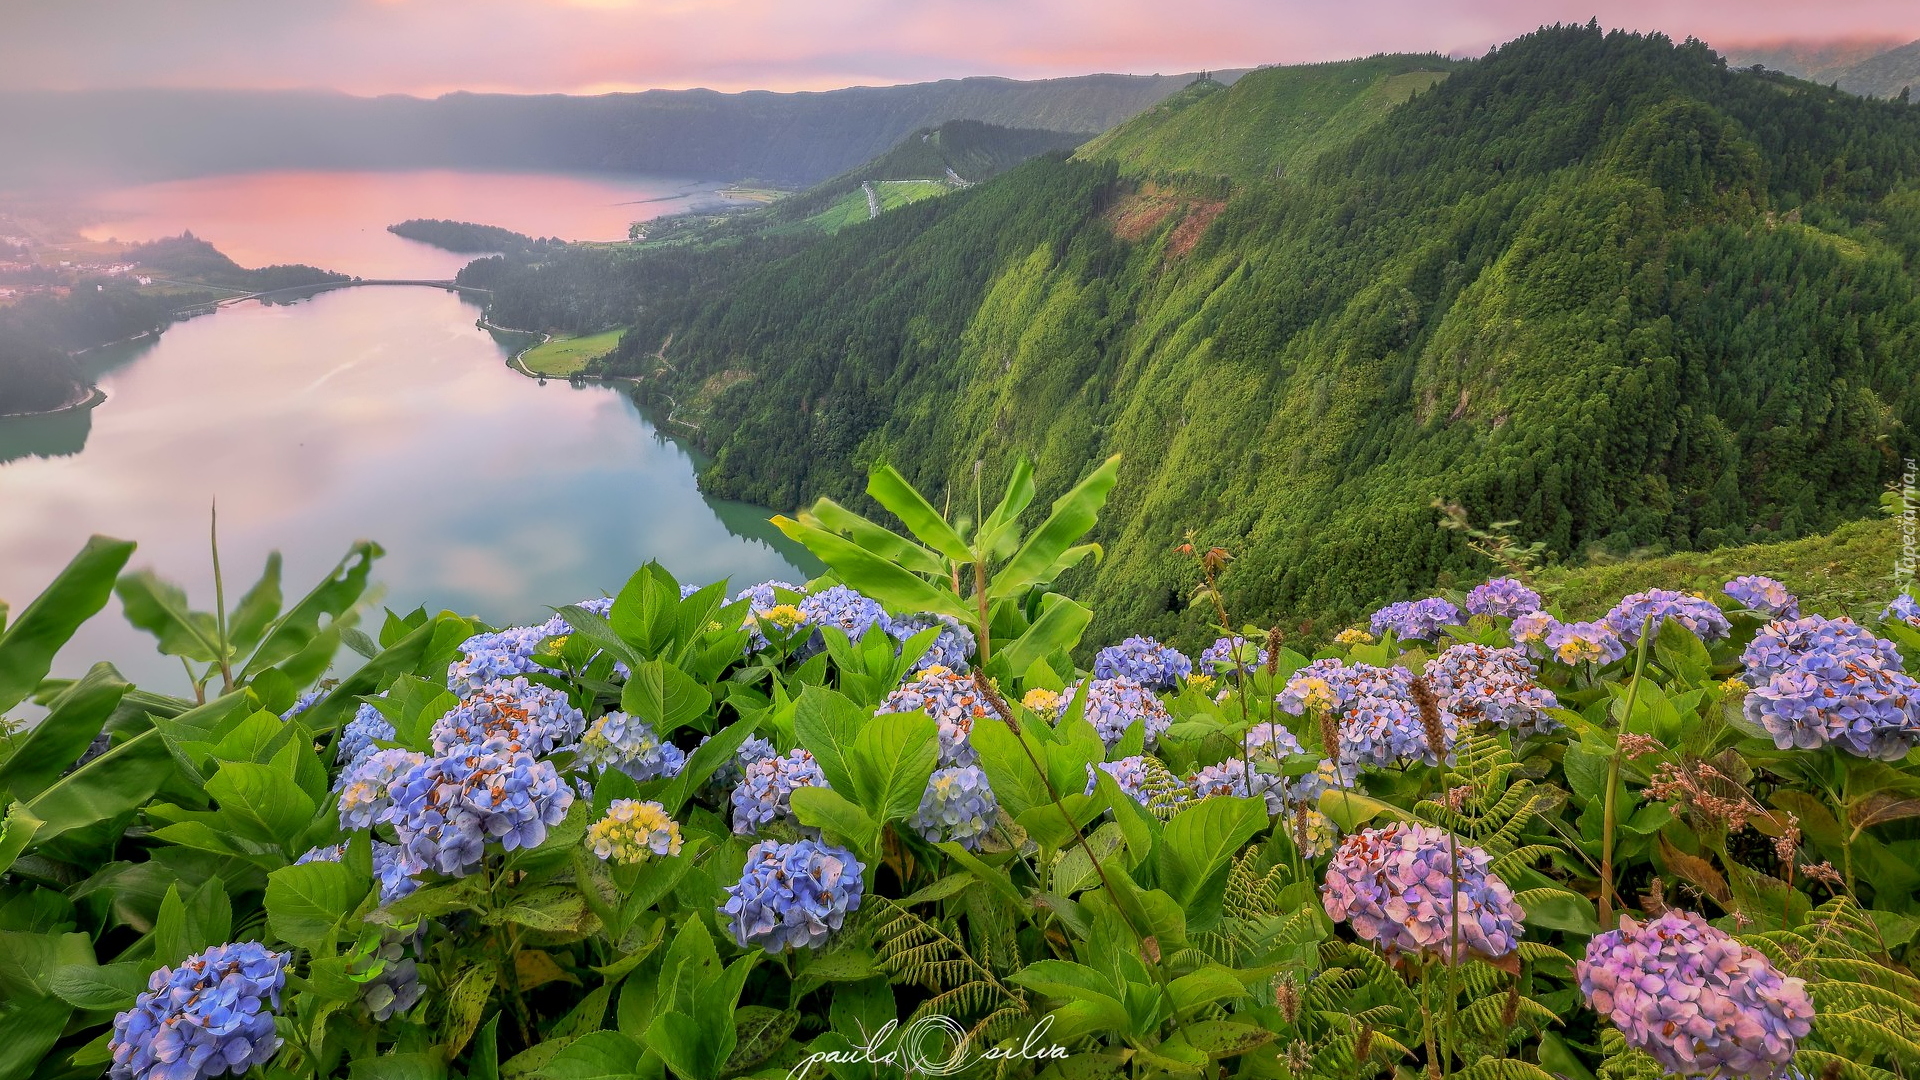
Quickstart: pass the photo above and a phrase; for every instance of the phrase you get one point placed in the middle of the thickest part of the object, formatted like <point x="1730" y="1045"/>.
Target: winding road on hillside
<point x="873" y="200"/>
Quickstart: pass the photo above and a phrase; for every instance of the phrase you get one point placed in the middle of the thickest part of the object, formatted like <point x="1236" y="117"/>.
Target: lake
<point x="381" y="412"/>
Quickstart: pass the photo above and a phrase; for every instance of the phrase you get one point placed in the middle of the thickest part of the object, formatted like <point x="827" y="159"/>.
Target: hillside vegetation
<point x="1596" y="283"/>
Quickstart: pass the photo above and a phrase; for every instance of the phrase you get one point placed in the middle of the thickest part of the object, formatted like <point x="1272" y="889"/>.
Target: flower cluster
<point x="1502" y="597"/>
<point x="360" y="733"/>
<point x="365" y="785"/>
<point x="792" y="895"/>
<point x="619" y="741"/>
<point x="955" y="703"/>
<point x="397" y="987"/>
<point x="1396" y="885"/>
<point x="1764" y="595"/>
<point x="951" y="649"/>
<point x="1696" y="613"/>
<point x="1530" y="631"/>
<point x="1113" y="705"/>
<point x="210" y="1016"/>
<point x="1328" y="683"/>
<point x="1145" y="661"/>
<point x="1416" y="619"/>
<point x="730" y="771"/>
<point x="503" y="654"/>
<point x="1144" y="779"/>
<point x="1818" y="681"/>
<point x="507" y="716"/>
<point x="1585" y="642"/>
<point x="1352" y="636"/>
<point x="1041" y="699"/>
<point x="762" y="600"/>
<point x="1231" y="777"/>
<point x="1233" y="654"/>
<point x="633" y="831"/>
<point x="305" y="702"/>
<point x="1383" y="730"/>
<point x="1476" y="683"/>
<point x="766" y="789"/>
<point x="446" y="808"/>
<point x="958" y="805"/>
<point x="1313" y="832"/>
<point x="843" y="607"/>
<point x="1904" y="608"/>
<point x="1695" y="998"/>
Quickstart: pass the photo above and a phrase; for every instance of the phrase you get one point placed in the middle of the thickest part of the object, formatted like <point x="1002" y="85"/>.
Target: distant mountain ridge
<point x="793" y="139"/>
<point x="1880" y="69"/>
<point x="970" y="150"/>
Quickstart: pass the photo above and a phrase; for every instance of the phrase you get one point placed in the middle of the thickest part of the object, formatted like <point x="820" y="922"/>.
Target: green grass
<point x="565" y="356"/>
<point x="897" y="193"/>
<point x="1848" y="571"/>
<point x="851" y="209"/>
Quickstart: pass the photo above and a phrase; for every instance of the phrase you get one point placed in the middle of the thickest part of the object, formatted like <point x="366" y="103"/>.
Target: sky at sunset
<point x="586" y="46"/>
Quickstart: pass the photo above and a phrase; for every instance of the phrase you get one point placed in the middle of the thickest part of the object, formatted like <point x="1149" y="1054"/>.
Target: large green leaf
<point x="705" y="760"/>
<point x="261" y="803"/>
<point x="1057" y="630"/>
<point x="76" y="594"/>
<point x="664" y="696"/>
<point x="106" y="787"/>
<point x="72" y="721"/>
<point x="892" y="491"/>
<point x="160" y="608"/>
<point x="826" y="724"/>
<point x="874" y="575"/>
<point x="894" y="755"/>
<point x="308" y="903"/>
<point x="1197" y="847"/>
<point x="257" y="609"/>
<point x="828" y="810"/>
<point x="1073" y="515"/>
<point x="878" y="539"/>
<point x="340" y="591"/>
<point x="996" y="532"/>
<point x="599" y="1055"/>
<point x="16" y="832"/>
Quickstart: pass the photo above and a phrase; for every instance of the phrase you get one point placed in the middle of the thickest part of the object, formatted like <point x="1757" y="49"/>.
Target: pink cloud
<point x="431" y="46"/>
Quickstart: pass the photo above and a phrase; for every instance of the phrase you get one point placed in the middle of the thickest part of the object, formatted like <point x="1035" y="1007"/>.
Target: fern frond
<point x="1503" y="1069"/>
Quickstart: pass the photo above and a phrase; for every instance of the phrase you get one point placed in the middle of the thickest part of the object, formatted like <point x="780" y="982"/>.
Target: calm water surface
<point x="377" y="412"/>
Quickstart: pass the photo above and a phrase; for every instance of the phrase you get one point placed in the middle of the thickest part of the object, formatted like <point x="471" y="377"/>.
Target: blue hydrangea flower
<point x="211" y="1016"/>
<point x="619" y="741"/>
<point x="951" y="649"/>
<point x="689" y="590"/>
<point x="327" y="853"/>
<point x="1696" y="613"/>
<point x="1764" y="595"/>
<point x="1476" y="683"/>
<point x="1530" y="632"/>
<point x="766" y="789"/>
<point x="954" y="702"/>
<point x="503" y="654"/>
<point x="1503" y="597"/>
<point x="446" y="809"/>
<point x="958" y="806"/>
<point x="1145" y="661"/>
<point x="366" y="786"/>
<point x="762" y="599"/>
<point x="1695" y="998"/>
<point x="1585" y="642"/>
<point x="843" y="607"/>
<point x="1382" y="731"/>
<point x="358" y="736"/>
<point x="1230" y="777"/>
<point x="792" y="895"/>
<point x="1820" y="681"/>
<point x="306" y="702"/>
<point x="1904" y="608"/>
<point x="1328" y="683"/>
<point x="729" y="772"/>
<point x="397" y="987"/>
<point x="1145" y="780"/>
<point x="1395" y="885"/>
<point x="1416" y="619"/>
<point x="509" y="715"/>
<point x="1235" y="653"/>
<point x="394" y="873"/>
<point x="1114" y="704"/>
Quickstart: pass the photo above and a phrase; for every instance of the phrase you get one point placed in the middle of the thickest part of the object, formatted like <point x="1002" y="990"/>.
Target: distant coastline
<point x="85" y="398"/>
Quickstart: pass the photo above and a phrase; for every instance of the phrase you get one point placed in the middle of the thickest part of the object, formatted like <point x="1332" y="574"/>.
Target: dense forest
<point x="1598" y="284"/>
<point x="786" y="138"/>
<point x="466" y="238"/>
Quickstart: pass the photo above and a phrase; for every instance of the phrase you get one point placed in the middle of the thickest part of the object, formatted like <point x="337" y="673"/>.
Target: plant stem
<point x="220" y="602"/>
<point x="1611" y="812"/>
<point x="980" y="597"/>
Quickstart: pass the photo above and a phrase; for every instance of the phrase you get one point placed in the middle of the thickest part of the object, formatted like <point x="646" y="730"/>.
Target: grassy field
<point x="852" y="207"/>
<point x="564" y="356"/>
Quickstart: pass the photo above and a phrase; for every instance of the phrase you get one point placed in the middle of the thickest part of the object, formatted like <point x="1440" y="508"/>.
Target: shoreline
<point x="89" y="397"/>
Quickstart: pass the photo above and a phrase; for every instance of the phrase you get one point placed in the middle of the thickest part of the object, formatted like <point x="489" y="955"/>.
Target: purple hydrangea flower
<point x="1904" y="608"/>
<point x="729" y="772"/>
<point x="951" y="649"/>
<point x="327" y="853"/>
<point x="1695" y="998"/>
<point x="1328" y="683"/>
<point x="619" y="741"/>
<point x="306" y="702"/>
<point x="1697" y="613"/>
<point x="1585" y="642"/>
<point x="958" y="805"/>
<point x="1114" y="704"/>
<point x="1503" y="597"/>
<point x="1395" y="885"/>
<point x="503" y="654"/>
<point x="1380" y="730"/>
<point x="397" y="987"/>
<point x="1144" y="779"/>
<point x="365" y="787"/>
<point x="509" y="715"/>
<point x="1416" y="619"/>
<point x="1145" y="661"/>
<point x="446" y="808"/>
<point x="766" y="789"/>
<point x="1230" y="777"/>
<point x="955" y="703"/>
<point x="843" y="607"/>
<point x="1530" y="632"/>
<point x="1229" y="654"/>
<point x="1819" y="681"/>
<point x="792" y="895"/>
<point x="210" y="1016"/>
<point x="1476" y="683"/>
<point x="1764" y="595"/>
<point x="358" y="736"/>
<point x="394" y="873"/>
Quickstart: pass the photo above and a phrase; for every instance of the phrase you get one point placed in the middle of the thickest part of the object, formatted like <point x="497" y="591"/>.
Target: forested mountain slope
<point x="787" y="138"/>
<point x="972" y="150"/>
<point x="1597" y="283"/>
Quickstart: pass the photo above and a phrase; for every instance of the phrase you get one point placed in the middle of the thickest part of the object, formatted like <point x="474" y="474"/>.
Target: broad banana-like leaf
<point x="1073" y="514"/>
<point x="892" y="491"/>
<point x="998" y="530"/>
<point x="332" y="597"/>
<point x="873" y="575"/>
<point x="878" y="539"/>
<point x="1058" y="629"/>
<point x="76" y="595"/>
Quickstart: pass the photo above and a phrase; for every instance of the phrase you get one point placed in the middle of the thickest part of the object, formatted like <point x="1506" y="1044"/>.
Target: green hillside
<point x="1597" y="283"/>
<point x="1270" y="121"/>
